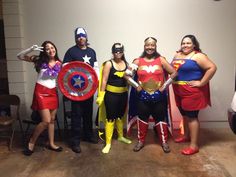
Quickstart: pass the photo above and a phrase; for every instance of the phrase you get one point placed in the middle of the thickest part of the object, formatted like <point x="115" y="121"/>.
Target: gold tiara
<point x="150" y="40"/>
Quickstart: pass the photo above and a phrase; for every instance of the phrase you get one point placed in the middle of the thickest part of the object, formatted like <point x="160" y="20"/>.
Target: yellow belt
<point x="181" y="82"/>
<point x="115" y="89"/>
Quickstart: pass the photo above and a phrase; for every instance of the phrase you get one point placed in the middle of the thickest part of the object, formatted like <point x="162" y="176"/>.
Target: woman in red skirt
<point x="191" y="88"/>
<point x="45" y="99"/>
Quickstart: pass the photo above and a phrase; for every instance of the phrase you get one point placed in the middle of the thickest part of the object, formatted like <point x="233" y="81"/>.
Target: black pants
<point x="158" y="110"/>
<point x="82" y="114"/>
<point x="115" y="104"/>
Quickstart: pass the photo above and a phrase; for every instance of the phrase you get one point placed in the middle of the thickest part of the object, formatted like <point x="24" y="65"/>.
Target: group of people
<point x="150" y="75"/>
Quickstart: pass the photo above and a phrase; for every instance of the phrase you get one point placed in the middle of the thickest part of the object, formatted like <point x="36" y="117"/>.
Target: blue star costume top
<point x="75" y="53"/>
<point x="82" y="111"/>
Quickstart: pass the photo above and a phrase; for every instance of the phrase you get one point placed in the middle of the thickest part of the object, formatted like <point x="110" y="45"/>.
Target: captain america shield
<point x="77" y="81"/>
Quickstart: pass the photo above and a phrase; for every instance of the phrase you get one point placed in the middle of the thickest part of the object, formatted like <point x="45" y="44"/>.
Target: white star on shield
<point x="86" y="59"/>
<point x="78" y="81"/>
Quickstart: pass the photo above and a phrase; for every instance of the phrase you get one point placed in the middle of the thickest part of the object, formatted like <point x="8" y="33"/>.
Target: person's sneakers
<point x="190" y="151"/>
<point x="165" y="147"/>
<point x="76" y="149"/>
<point x="138" y="146"/>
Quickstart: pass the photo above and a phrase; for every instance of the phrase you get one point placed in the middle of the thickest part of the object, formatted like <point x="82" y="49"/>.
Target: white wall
<point x="130" y="22"/>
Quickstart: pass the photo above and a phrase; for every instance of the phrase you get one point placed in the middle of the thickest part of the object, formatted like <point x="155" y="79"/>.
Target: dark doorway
<point x="3" y="62"/>
<point x="4" y="89"/>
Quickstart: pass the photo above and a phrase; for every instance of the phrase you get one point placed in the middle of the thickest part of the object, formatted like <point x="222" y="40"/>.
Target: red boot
<point x="162" y="131"/>
<point x="142" y="132"/>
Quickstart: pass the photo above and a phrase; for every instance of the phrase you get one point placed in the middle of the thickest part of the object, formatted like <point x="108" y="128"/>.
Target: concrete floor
<point x="217" y="158"/>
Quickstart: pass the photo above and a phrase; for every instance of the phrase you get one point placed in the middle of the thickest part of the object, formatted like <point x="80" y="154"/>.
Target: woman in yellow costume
<point x="113" y="95"/>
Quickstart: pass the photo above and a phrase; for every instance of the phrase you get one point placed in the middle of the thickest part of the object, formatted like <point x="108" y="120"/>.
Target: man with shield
<point x="82" y="111"/>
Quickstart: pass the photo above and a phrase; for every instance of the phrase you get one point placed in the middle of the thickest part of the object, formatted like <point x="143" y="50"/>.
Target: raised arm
<point x="23" y="54"/>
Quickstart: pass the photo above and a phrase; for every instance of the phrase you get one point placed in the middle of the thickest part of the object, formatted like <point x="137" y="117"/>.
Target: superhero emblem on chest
<point x="119" y="73"/>
<point x="177" y="63"/>
<point x="150" y="68"/>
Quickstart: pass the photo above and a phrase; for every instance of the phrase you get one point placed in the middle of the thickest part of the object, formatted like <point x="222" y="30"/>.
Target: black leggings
<point x="115" y="104"/>
<point x="158" y="110"/>
<point x="190" y="114"/>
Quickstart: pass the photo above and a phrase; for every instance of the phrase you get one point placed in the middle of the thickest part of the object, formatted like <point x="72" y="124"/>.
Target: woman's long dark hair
<point x="43" y="57"/>
<point x="155" y="54"/>
<point x="194" y="41"/>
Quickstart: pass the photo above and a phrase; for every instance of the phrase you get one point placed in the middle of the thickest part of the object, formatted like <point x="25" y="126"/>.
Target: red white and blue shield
<point x="77" y="80"/>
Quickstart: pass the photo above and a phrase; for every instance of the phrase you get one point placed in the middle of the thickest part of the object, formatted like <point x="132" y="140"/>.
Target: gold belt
<point x="115" y="89"/>
<point x="181" y="82"/>
<point x="151" y="86"/>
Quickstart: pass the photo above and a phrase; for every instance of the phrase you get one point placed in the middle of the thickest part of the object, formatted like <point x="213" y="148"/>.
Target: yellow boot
<point x="109" y="128"/>
<point x="119" y="127"/>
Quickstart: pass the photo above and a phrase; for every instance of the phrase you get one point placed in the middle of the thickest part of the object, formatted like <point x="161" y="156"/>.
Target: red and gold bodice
<point x="150" y="74"/>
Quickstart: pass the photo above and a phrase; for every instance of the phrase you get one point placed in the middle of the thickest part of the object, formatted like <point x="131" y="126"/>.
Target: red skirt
<point x="191" y="98"/>
<point x="44" y="98"/>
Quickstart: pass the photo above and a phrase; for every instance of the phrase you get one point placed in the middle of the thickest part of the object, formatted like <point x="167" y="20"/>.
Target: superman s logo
<point x="177" y="63"/>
